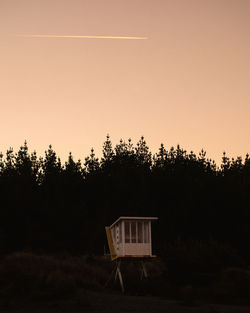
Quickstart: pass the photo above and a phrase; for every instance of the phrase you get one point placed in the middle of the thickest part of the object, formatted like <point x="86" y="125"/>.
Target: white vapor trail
<point x="85" y="37"/>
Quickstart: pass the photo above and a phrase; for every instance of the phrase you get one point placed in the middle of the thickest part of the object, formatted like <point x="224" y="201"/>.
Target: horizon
<point x="99" y="152"/>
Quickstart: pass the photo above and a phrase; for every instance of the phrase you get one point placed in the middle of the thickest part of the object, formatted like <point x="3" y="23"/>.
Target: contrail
<point x="86" y="37"/>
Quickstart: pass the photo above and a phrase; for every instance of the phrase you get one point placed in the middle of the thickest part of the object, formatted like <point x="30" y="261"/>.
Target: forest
<point x="51" y="207"/>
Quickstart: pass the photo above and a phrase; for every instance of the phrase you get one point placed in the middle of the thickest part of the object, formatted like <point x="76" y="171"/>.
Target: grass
<point x="77" y="284"/>
<point x="29" y="277"/>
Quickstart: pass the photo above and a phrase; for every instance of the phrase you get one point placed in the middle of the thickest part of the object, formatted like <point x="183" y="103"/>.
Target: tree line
<point x="48" y="206"/>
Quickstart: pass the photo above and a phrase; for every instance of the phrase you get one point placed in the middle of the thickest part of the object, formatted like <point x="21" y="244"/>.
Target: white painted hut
<point x="130" y="237"/>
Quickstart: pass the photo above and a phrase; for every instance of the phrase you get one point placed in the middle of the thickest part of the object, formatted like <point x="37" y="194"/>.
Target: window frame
<point x="128" y="236"/>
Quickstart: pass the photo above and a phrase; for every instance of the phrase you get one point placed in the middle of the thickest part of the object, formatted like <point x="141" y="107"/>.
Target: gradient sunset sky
<point x="187" y="84"/>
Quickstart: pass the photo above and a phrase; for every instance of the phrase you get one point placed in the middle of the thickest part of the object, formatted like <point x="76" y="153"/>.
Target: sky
<point x="187" y="83"/>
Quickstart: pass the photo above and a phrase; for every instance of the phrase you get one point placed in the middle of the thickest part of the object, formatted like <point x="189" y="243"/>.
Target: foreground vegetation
<point x="83" y="283"/>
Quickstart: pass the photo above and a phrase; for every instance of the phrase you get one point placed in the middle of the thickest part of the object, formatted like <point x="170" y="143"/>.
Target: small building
<point x="130" y="237"/>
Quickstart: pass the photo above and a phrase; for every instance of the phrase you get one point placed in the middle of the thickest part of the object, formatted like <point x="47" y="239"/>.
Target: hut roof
<point x="134" y="218"/>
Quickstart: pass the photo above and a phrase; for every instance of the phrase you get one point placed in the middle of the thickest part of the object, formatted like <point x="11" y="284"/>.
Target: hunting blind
<point x="130" y="237"/>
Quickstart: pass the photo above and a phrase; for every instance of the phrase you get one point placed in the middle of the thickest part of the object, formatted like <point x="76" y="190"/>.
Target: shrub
<point x="199" y="262"/>
<point x="235" y="283"/>
<point x="42" y="277"/>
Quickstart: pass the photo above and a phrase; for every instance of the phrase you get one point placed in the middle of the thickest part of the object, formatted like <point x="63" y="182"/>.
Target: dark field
<point x="45" y="283"/>
<point x="92" y="302"/>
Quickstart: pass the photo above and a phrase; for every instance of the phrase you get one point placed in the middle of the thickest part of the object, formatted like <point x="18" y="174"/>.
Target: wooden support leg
<point x="144" y="270"/>
<point x="118" y="272"/>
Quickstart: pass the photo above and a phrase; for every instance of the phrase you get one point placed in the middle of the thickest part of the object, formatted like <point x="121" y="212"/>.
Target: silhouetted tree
<point x="53" y="207"/>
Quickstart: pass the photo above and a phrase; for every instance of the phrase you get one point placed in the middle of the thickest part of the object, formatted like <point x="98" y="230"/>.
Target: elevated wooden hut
<point x="130" y="237"/>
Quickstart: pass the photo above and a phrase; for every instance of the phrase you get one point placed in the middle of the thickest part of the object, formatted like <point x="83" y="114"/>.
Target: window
<point x="139" y="232"/>
<point x="133" y="232"/>
<point x="136" y="232"/>
<point x="120" y="232"/>
<point x="146" y="232"/>
<point x="127" y="232"/>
